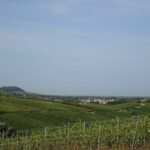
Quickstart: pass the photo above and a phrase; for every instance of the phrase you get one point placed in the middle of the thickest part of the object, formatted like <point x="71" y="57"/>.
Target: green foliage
<point x="98" y="127"/>
<point x="119" y="134"/>
<point x="6" y="131"/>
<point x="29" y="114"/>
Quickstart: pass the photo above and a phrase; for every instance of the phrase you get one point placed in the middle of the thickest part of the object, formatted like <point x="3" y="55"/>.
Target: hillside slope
<point x="26" y="114"/>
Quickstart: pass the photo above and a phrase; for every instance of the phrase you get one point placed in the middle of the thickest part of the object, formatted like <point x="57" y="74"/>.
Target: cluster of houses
<point x="96" y="100"/>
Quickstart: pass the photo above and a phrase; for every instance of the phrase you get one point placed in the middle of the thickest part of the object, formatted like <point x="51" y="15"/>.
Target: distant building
<point x="97" y="101"/>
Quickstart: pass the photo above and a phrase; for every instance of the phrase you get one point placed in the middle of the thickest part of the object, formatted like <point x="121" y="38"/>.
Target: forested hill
<point x="11" y="89"/>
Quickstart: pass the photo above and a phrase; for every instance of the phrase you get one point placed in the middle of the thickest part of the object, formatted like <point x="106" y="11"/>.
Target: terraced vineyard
<point x="133" y="133"/>
<point x="119" y="126"/>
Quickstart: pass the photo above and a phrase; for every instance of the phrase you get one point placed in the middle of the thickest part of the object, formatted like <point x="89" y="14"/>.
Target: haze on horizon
<point x="76" y="47"/>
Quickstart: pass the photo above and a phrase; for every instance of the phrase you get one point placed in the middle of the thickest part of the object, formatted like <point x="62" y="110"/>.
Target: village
<point x="102" y="101"/>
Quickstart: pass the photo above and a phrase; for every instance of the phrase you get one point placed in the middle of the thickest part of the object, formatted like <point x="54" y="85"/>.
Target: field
<point x="53" y="125"/>
<point x="25" y="114"/>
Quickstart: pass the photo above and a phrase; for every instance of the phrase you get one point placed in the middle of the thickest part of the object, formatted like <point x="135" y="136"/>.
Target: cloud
<point x="59" y="8"/>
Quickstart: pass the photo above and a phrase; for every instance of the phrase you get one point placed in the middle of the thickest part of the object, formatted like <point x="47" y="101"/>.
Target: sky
<point x="76" y="47"/>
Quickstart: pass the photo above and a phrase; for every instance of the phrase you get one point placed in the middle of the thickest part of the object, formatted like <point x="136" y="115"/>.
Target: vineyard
<point x="133" y="133"/>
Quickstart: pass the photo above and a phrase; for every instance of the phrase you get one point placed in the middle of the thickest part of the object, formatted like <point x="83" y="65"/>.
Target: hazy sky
<point x="76" y="47"/>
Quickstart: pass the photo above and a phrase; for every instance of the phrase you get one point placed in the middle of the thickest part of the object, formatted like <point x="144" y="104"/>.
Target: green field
<point x="29" y="114"/>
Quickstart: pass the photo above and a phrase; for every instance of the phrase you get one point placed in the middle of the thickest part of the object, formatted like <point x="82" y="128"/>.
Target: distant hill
<point x="17" y="91"/>
<point x="12" y="89"/>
